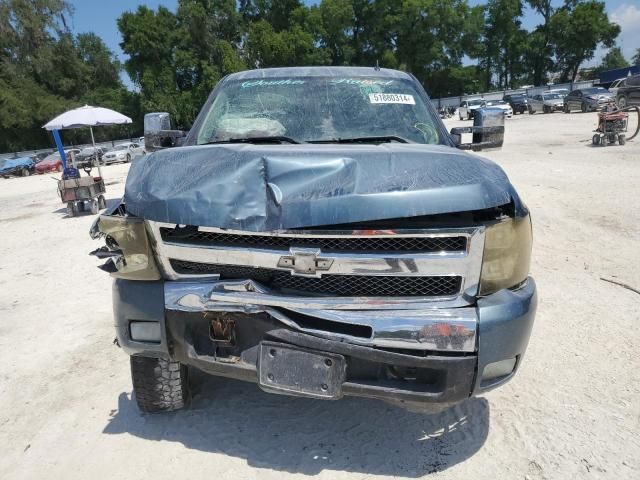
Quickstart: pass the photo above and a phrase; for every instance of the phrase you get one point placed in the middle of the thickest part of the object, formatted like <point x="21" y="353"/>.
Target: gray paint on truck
<point x="273" y="187"/>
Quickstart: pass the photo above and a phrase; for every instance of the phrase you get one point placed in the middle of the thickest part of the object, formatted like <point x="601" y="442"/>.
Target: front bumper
<point x="430" y="355"/>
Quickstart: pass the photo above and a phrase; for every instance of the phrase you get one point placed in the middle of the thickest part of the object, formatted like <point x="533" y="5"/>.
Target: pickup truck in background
<point x="318" y="232"/>
<point x="519" y="102"/>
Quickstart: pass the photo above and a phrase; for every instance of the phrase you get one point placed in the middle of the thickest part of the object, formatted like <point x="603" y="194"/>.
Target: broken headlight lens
<point x="128" y="247"/>
<point x="507" y="255"/>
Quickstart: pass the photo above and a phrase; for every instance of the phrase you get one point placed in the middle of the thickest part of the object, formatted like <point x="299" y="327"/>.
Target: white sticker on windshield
<point x="392" y="98"/>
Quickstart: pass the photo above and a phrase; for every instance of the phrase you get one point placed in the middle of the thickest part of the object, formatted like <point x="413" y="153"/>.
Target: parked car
<point x="500" y="104"/>
<point x="519" y="102"/>
<point x="613" y="88"/>
<point x="467" y="107"/>
<point x="563" y="92"/>
<point x="587" y="99"/>
<point x="22" y="166"/>
<point x="629" y="92"/>
<point x="321" y="246"/>
<point x="38" y="157"/>
<point x="89" y="156"/>
<point x="125" y="152"/>
<point x="546" y="103"/>
<point x="53" y="163"/>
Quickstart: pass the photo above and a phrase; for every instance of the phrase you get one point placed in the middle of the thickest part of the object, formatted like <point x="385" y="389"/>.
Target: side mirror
<point x="487" y="130"/>
<point x="158" y="133"/>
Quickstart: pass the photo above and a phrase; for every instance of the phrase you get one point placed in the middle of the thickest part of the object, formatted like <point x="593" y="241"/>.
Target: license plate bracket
<point x="292" y="370"/>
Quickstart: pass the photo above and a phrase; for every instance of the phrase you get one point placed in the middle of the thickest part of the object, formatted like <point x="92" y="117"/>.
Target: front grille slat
<point x="191" y="236"/>
<point x="335" y="285"/>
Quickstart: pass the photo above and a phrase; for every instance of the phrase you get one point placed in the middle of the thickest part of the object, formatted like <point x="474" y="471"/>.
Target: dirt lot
<point x="573" y="411"/>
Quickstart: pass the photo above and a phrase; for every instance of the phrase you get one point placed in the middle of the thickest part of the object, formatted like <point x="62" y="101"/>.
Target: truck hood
<point x="276" y="187"/>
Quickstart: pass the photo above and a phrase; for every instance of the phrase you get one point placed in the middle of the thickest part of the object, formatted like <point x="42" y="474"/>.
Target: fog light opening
<point x="496" y="370"/>
<point x="148" y="332"/>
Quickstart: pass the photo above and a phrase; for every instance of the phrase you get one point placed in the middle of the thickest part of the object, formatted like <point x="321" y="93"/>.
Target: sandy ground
<point x="573" y="411"/>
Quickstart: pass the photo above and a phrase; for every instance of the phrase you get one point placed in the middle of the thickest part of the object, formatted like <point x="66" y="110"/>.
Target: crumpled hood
<point x="275" y="187"/>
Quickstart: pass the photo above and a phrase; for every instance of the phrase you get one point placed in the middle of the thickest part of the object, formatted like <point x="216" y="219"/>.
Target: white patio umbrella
<point x="86" y="116"/>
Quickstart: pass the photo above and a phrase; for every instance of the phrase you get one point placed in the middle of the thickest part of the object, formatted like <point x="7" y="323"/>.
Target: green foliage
<point x="613" y="59"/>
<point x="506" y="43"/>
<point x="45" y="70"/>
<point x="177" y="59"/>
<point x="577" y="29"/>
<point x="636" y="58"/>
<point x="539" y="57"/>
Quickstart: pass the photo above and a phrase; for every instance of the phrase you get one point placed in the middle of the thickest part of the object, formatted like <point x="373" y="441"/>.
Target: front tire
<point x="159" y="385"/>
<point x="584" y="107"/>
<point x="25" y="172"/>
<point x="128" y="158"/>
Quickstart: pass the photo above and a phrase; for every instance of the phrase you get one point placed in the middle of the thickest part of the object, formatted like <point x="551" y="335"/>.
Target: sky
<point x="100" y="16"/>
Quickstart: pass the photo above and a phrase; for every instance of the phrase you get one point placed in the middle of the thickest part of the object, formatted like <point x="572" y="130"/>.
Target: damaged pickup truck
<point x="320" y="233"/>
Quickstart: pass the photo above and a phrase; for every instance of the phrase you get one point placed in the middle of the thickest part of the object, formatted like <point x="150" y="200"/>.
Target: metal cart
<point x="612" y="128"/>
<point x="78" y="193"/>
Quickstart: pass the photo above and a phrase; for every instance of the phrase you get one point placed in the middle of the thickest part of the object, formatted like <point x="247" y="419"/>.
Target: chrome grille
<point x="335" y="285"/>
<point x="425" y="266"/>
<point x="191" y="236"/>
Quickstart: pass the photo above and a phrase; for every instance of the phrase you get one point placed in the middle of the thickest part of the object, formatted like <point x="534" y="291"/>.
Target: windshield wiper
<point x="373" y="139"/>
<point x="271" y="139"/>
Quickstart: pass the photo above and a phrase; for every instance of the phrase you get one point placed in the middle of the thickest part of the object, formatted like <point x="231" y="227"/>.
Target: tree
<point x="636" y="58"/>
<point x="505" y="43"/>
<point x="335" y="31"/>
<point x="45" y="70"/>
<point x="577" y="28"/>
<point x="613" y="59"/>
<point x="540" y="50"/>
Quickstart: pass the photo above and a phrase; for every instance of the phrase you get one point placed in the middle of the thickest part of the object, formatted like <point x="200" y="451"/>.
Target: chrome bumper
<point x="395" y="323"/>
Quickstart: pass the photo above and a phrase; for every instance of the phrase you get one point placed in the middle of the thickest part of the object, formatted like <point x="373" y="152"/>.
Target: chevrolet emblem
<point x="305" y="262"/>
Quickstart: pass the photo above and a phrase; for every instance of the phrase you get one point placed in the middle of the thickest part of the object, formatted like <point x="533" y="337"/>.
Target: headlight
<point x="507" y="254"/>
<point x="128" y="247"/>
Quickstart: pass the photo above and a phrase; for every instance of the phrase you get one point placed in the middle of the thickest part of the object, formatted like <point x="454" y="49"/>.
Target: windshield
<point x="552" y="96"/>
<point x="492" y="103"/>
<point x="87" y="151"/>
<point x="473" y="103"/>
<point x="119" y="147"/>
<point x="317" y="109"/>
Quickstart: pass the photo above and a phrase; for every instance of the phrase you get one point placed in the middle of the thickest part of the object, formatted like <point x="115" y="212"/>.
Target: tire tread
<point x="159" y="385"/>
